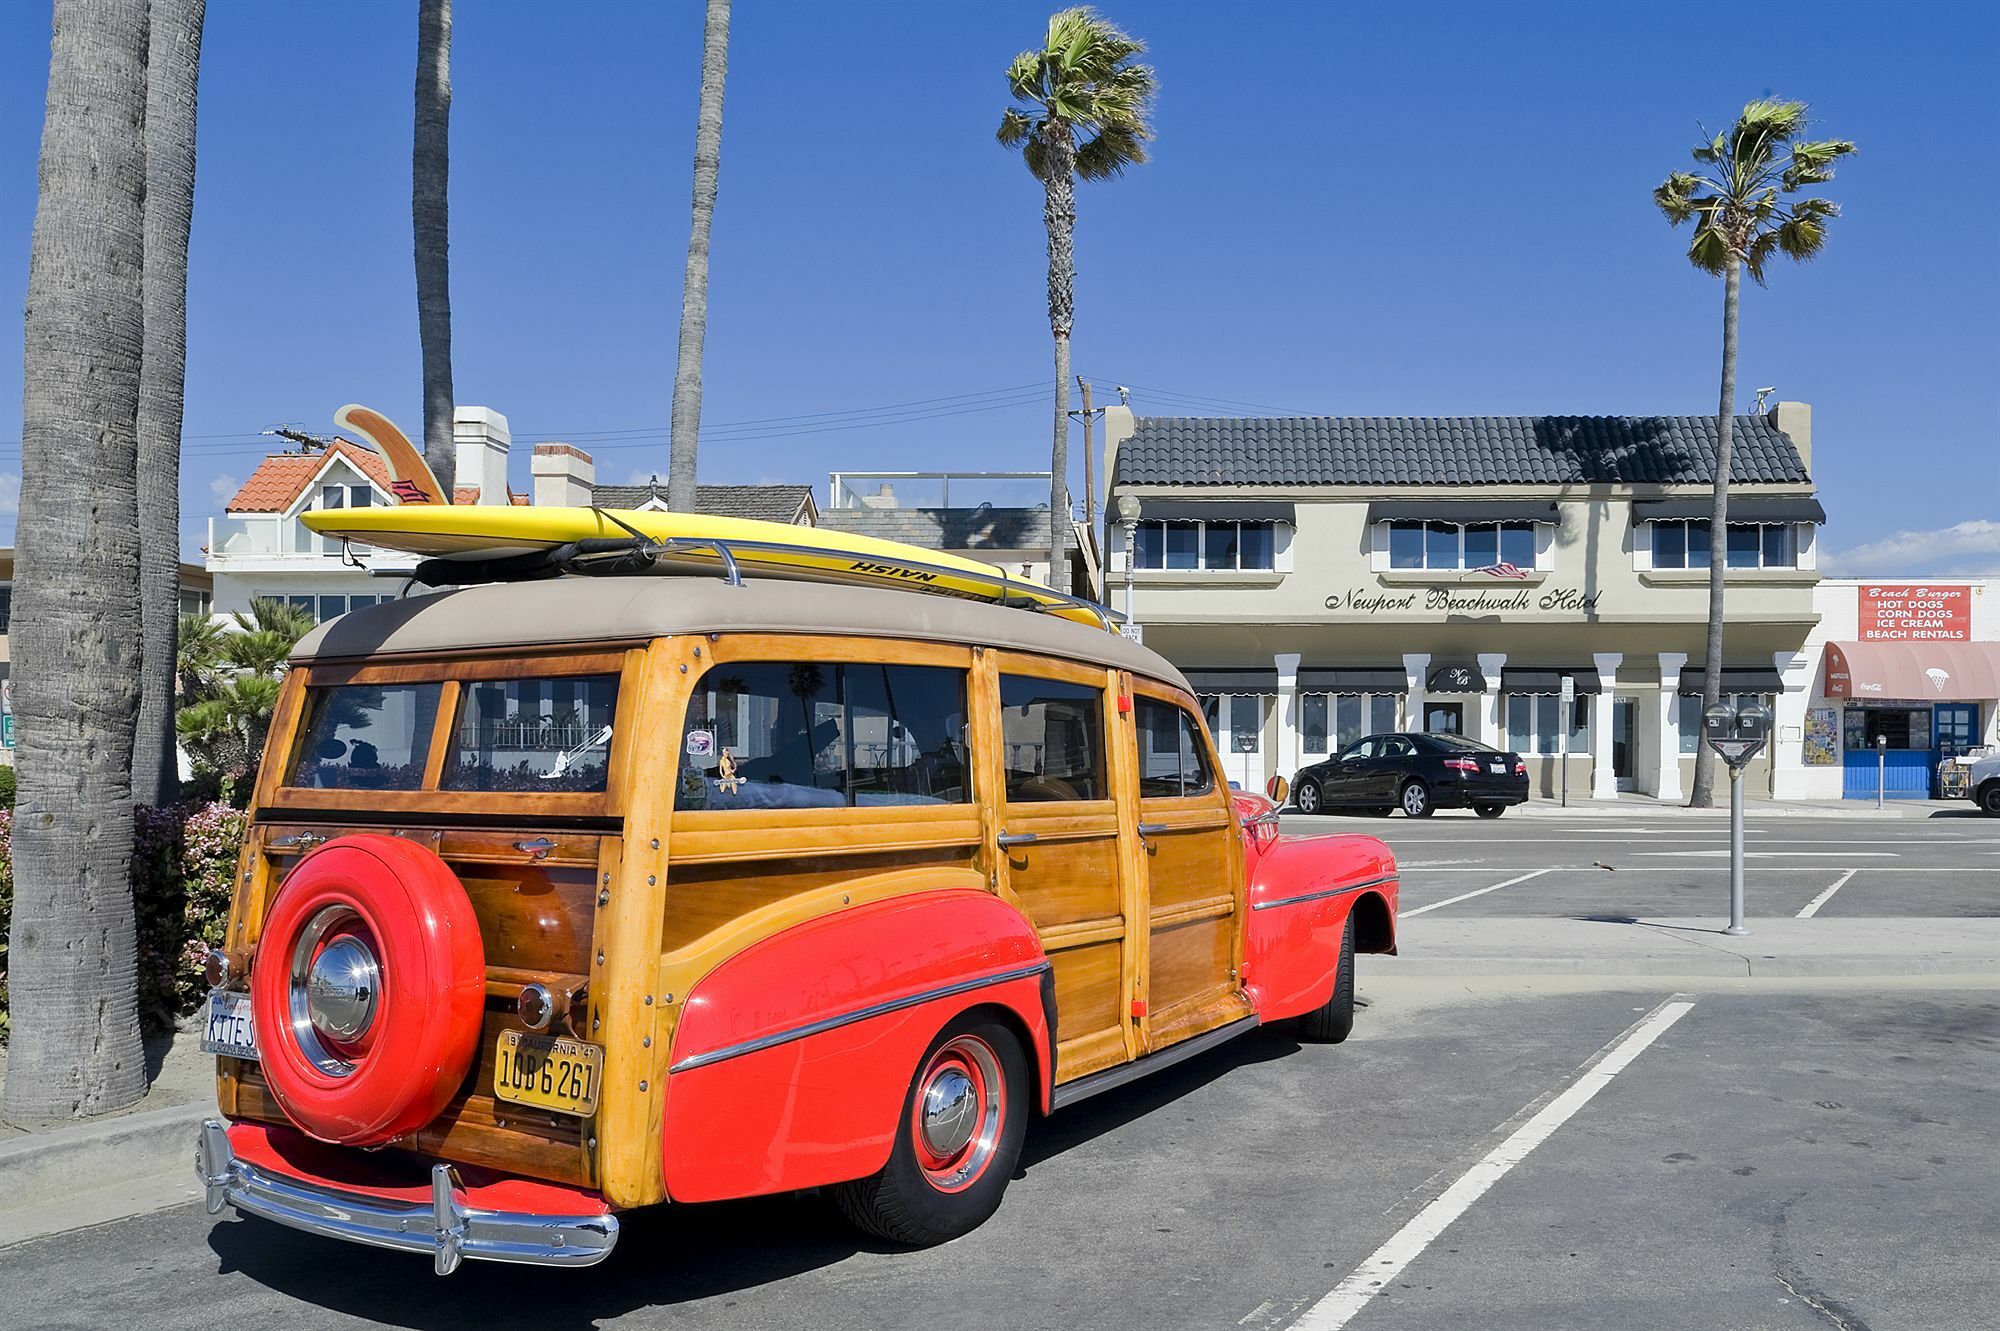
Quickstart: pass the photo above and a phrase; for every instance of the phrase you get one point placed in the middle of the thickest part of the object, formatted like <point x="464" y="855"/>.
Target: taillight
<point x="1520" y="768"/>
<point x="1462" y="764"/>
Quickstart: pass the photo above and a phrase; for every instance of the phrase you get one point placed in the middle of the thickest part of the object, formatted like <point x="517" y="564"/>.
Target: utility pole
<point x="1089" y="463"/>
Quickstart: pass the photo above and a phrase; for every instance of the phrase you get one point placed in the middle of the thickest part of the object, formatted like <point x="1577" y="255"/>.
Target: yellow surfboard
<point x="689" y="542"/>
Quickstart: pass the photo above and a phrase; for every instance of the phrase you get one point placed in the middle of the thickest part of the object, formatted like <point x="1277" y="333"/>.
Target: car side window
<point x="1052" y="736"/>
<point x="824" y="735"/>
<point x="1395" y="746"/>
<point x="1172" y="763"/>
<point x="1356" y="752"/>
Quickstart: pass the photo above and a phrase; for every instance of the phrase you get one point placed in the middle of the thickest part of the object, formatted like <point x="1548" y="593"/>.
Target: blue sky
<point x="1408" y="209"/>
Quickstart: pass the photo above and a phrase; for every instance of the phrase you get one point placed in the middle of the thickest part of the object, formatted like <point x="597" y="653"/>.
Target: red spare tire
<point x="368" y="990"/>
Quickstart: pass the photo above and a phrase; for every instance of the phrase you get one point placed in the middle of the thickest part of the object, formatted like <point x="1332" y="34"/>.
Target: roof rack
<point x="638" y="553"/>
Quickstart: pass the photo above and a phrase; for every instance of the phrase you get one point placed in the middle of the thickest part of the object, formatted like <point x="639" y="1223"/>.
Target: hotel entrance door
<point x="1444" y="718"/>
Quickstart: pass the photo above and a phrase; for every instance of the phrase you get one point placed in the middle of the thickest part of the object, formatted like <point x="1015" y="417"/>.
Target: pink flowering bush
<point x="6" y="905"/>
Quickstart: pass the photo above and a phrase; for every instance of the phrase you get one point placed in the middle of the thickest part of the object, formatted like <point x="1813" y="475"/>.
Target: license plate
<point x="549" y="1072"/>
<point x="1499" y="767"/>
<point x="229" y="1029"/>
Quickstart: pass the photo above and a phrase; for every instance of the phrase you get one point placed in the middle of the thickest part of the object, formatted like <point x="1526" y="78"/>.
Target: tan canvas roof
<point x="632" y="609"/>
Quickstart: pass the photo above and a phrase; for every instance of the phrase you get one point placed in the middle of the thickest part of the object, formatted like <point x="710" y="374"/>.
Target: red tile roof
<point x="282" y="477"/>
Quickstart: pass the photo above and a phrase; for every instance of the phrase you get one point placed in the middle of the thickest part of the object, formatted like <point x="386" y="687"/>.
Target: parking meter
<point x="1753" y="721"/>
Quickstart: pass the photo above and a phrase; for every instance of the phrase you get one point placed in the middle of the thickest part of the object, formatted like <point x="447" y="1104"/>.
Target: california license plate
<point x="549" y="1072"/>
<point x="1499" y="767"/>
<point x="229" y="1029"/>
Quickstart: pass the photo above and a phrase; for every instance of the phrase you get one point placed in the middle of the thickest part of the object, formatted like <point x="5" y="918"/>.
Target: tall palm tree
<point x="1083" y="112"/>
<point x="172" y="72"/>
<point x="73" y="951"/>
<point x="686" y="429"/>
<point x="1742" y="206"/>
<point x="430" y="216"/>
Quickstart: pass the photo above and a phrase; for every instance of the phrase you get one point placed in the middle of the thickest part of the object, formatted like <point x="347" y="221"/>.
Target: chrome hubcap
<point x="332" y="991"/>
<point x="951" y="1111"/>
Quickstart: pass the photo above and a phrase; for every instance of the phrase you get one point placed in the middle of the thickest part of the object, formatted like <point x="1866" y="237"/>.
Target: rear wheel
<point x="1307" y="796"/>
<point x="1489" y="810"/>
<point x="1334" y="1019"/>
<point x="957" y="1142"/>
<point x="1417" y="800"/>
<point x="1989" y="798"/>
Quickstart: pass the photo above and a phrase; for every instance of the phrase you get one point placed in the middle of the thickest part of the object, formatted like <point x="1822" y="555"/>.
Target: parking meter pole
<point x="1735" y="852"/>
<point x="1881" y="769"/>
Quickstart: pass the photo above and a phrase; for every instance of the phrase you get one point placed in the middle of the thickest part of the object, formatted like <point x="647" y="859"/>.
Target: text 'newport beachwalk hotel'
<point x="1321" y="579"/>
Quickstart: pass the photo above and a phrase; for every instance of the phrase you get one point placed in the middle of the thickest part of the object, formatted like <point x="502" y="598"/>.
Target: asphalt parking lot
<point x="1505" y="1151"/>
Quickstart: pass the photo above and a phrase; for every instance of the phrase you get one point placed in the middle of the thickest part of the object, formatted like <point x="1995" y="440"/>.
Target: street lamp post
<point x="1128" y="518"/>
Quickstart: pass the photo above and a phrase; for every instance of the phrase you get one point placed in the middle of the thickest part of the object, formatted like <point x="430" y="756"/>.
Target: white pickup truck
<point x="1982" y="784"/>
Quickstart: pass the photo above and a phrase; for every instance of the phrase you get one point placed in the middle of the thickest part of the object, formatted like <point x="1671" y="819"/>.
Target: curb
<point x="44" y="1168"/>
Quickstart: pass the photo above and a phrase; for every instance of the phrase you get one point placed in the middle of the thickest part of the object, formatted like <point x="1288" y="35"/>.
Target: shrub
<point x="7" y="784"/>
<point x="6" y="905"/>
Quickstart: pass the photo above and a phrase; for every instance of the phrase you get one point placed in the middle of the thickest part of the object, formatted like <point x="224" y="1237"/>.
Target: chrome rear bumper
<point x="447" y="1229"/>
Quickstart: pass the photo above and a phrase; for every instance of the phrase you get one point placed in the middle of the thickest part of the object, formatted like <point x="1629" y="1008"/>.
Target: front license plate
<point x="549" y="1072"/>
<point x="229" y="1029"/>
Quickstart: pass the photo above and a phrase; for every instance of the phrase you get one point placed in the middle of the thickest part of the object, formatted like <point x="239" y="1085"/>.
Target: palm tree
<point x="172" y="71"/>
<point x="1083" y="112"/>
<point x="430" y="215"/>
<point x="230" y="686"/>
<point x="1743" y="212"/>
<point x="686" y="430"/>
<point x="73" y="953"/>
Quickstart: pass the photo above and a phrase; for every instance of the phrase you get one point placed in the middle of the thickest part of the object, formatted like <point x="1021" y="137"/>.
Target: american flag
<point x="1501" y="571"/>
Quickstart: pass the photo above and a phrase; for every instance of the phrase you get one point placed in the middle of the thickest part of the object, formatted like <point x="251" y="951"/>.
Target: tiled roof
<point x="1449" y="450"/>
<point x="767" y="503"/>
<point x="276" y="484"/>
<point x="984" y="528"/>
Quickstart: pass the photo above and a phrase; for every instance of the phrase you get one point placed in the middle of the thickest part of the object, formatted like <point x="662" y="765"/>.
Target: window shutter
<point x="1642" y="546"/>
<point x="1378" y="546"/>
<point x="1281" y="547"/>
<point x="1807" y="536"/>
<point x="1545" y="546"/>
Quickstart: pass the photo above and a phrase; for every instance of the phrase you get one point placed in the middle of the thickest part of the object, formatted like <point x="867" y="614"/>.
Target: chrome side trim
<point x="446" y="1227"/>
<point x="824" y="1024"/>
<point x="1085" y="1087"/>
<point x="1330" y="892"/>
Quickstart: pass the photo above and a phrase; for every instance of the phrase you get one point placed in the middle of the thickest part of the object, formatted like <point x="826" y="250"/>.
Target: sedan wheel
<point x="1489" y="810"/>
<point x="1417" y="800"/>
<point x="1989" y="798"/>
<point x="1307" y="796"/>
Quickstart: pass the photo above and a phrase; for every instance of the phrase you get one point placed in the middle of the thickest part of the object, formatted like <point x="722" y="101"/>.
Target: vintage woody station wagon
<point x="572" y="896"/>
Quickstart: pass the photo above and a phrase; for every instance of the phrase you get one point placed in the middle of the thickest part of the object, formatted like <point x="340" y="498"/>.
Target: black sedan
<point x="1416" y="773"/>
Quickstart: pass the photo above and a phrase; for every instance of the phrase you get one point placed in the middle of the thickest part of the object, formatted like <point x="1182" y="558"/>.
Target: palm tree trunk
<point x="1703" y="794"/>
<point x="73" y="972"/>
<point x="1059" y="215"/>
<point x="686" y="429"/>
<point x="430" y="217"/>
<point x="173" y="68"/>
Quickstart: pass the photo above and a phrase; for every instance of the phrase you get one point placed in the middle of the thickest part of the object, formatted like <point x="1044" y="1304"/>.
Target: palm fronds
<point x="1081" y="85"/>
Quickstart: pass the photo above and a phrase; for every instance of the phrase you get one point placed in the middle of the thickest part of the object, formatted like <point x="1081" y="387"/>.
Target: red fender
<point x="411" y="912"/>
<point x="1301" y="890"/>
<point x="792" y="1059"/>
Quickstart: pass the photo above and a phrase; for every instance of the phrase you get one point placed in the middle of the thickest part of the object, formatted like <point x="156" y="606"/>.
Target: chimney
<point x="1118" y="427"/>
<point x="483" y="442"/>
<point x="1795" y="419"/>
<point x="564" y="475"/>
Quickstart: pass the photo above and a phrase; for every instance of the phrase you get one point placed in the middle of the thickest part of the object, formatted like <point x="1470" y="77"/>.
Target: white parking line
<point x="1467" y="896"/>
<point x="1353" y="1294"/>
<point x="1812" y="907"/>
<point x="1786" y="854"/>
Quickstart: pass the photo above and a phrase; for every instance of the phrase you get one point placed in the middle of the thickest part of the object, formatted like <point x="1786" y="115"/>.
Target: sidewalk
<point x="1884" y="949"/>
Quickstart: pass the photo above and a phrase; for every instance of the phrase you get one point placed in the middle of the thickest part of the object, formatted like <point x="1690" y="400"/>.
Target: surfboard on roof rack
<point x="492" y="543"/>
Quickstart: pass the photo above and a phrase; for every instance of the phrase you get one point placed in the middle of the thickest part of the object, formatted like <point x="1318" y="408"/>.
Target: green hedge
<point x="183" y="867"/>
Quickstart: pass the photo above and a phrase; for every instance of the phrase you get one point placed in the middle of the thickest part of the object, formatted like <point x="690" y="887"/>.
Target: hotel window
<point x="1452" y="545"/>
<point x="1329" y="722"/>
<point x="1534" y="724"/>
<point x="1685" y="544"/>
<point x="322" y="608"/>
<point x="1688" y="715"/>
<point x="1229" y="546"/>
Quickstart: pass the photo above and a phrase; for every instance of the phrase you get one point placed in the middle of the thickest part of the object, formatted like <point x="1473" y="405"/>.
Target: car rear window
<point x="547" y="734"/>
<point x="1456" y="744"/>
<point x="366" y="736"/>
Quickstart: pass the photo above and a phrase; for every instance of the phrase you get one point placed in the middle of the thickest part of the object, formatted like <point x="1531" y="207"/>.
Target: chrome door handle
<point x="1153" y="829"/>
<point x="1008" y="840"/>
<point x="538" y="849"/>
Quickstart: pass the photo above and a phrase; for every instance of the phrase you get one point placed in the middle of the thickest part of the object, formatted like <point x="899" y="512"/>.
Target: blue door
<point x="1954" y="730"/>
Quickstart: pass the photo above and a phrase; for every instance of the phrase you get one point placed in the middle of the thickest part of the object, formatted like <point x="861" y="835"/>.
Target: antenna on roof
<point x="306" y="442"/>
<point x="1762" y="393"/>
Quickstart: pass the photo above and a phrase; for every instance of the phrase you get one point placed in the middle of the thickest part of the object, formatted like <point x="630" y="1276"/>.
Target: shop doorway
<point x="1237" y="722"/>
<point x="1954" y="730"/>
<point x="1444" y="718"/>
<point x="1624" y="731"/>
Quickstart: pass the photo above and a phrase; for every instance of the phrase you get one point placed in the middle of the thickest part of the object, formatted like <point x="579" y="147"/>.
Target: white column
<point x="1603" y="776"/>
<point x="1415" y="666"/>
<point x="1670" y="730"/>
<point x="1290" y="723"/>
<point x="1788" y="758"/>
<point x="1492" y="727"/>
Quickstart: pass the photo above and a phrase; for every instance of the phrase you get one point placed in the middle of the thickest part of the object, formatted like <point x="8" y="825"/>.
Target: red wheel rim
<point x="957" y="1113"/>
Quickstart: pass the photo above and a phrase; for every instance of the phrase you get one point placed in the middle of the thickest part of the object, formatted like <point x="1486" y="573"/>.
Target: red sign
<point x="1914" y="612"/>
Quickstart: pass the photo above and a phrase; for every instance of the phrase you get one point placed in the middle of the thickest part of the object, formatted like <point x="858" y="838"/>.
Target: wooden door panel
<point x="1090" y="1003"/>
